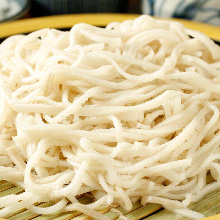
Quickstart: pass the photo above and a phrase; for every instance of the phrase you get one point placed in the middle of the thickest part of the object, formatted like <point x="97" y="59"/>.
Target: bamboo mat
<point x="208" y="206"/>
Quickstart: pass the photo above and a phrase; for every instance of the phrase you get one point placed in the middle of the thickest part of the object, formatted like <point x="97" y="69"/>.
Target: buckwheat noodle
<point x="123" y="113"/>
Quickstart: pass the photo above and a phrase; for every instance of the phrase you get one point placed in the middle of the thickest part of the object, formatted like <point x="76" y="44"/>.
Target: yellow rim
<point x="215" y="217"/>
<point x="67" y="21"/>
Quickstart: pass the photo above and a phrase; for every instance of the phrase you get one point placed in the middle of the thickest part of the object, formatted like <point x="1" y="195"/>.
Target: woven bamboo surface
<point x="209" y="205"/>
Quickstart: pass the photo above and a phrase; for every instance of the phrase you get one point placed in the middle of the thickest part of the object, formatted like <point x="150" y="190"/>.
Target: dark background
<point x="57" y="7"/>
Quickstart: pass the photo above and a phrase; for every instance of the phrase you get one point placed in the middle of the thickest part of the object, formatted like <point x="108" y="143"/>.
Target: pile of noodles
<point x="124" y="113"/>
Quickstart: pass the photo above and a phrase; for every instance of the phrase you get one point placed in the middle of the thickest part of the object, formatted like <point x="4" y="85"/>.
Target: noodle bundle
<point x="124" y="113"/>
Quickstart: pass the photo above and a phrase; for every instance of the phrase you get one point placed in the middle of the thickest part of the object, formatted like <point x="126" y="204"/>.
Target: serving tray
<point x="209" y="205"/>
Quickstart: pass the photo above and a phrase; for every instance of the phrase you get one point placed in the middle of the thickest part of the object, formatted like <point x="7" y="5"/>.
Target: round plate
<point x="67" y="21"/>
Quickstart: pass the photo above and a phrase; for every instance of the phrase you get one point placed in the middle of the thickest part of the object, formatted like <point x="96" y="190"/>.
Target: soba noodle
<point x="124" y="113"/>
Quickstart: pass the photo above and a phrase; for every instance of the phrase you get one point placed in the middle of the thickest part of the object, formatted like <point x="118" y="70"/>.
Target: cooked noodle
<point x="124" y="113"/>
